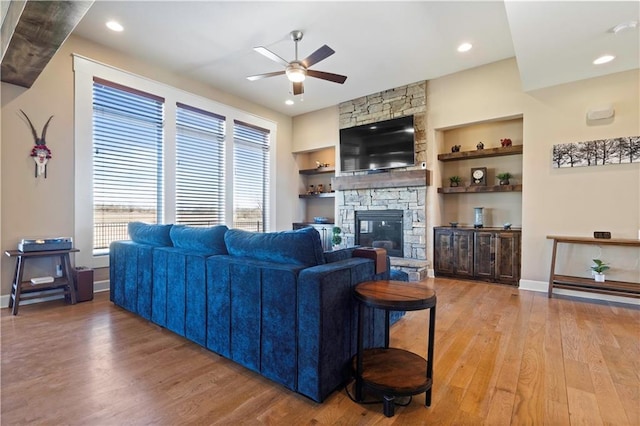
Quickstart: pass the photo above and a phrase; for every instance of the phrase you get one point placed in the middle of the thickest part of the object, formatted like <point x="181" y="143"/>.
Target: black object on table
<point x="21" y="290"/>
<point x="390" y="371"/>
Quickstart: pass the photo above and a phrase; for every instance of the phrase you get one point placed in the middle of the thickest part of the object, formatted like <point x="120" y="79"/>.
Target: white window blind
<point x="199" y="166"/>
<point x="127" y="160"/>
<point x="251" y="177"/>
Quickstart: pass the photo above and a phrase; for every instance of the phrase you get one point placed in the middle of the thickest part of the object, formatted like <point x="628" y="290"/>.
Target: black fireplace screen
<point x="380" y="228"/>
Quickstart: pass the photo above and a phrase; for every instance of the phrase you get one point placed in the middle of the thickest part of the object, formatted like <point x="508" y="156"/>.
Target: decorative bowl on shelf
<point x="321" y="219"/>
<point x="453" y="224"/>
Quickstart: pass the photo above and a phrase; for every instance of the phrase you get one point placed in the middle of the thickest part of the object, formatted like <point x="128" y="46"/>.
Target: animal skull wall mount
<point x="40" y="152"/>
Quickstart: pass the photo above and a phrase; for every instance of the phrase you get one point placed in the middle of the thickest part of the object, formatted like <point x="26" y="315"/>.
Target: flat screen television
<point x="382" y="145"/>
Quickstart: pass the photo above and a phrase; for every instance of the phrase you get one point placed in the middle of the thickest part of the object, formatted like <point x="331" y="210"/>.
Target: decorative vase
<point x="504" y="182"/>
<point x="599" y="277"/>
<point x="453" y="184"/>
<point x="479" y="217"/>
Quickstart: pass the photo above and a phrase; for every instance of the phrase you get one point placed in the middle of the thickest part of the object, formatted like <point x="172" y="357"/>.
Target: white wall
<point x="45" y="207"/>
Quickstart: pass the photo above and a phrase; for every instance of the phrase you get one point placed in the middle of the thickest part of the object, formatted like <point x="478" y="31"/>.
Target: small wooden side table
<point x="391" y="371"/>
<point x="20" y="290"/>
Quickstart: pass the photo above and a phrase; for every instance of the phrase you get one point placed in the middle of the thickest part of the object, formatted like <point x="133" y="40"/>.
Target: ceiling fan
<point x="296" y="70"/>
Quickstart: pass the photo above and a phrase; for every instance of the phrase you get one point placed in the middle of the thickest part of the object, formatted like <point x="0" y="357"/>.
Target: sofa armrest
<point x="327" y="323"/>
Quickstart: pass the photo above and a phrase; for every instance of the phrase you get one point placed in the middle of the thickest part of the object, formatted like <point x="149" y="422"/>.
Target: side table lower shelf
<point x="393" y="371"/>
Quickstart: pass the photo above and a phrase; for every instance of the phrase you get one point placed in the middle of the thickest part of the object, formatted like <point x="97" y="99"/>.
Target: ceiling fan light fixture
<point x="296" y="73"/>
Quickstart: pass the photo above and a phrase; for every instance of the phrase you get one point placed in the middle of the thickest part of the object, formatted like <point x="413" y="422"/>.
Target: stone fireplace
<point x="401" y="191"/>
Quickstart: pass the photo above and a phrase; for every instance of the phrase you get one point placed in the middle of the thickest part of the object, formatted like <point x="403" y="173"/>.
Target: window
<point x="251" y="177"/>
<point x="127" y="161"/>
<point x="199" y="167"/>
<point x="161" y="155"/>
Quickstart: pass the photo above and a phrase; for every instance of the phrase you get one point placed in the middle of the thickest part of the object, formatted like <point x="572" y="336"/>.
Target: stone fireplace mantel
<point x="395" y="179"/>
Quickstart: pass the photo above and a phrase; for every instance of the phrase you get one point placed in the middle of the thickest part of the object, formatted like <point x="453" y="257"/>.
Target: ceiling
<point x="378" y="45"/>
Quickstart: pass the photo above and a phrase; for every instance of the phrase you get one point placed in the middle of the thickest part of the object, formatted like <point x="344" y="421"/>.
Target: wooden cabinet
<point x="488" y="254"/>
<point x="455" y="252"/>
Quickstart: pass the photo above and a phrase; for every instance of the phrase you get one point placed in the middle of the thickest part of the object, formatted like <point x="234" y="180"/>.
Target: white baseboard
<point x="98" y="286"/>
<point x="543" y="286"/>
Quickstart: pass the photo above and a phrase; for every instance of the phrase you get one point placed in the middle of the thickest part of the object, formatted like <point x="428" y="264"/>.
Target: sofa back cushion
<point x="150" y="234"/>
<point x="206" y="240"/>
<point x="299" y="247"/>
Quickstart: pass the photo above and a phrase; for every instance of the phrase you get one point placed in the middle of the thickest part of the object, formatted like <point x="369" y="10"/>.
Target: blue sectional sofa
<point x="272" y="302"/>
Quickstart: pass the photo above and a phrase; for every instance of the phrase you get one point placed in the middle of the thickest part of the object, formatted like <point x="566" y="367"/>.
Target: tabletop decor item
<point x="504" y="178"/>
<point x="336" y="239"/>
<point x="40" y="152"/>
<point x="455" y="181"/>
<point x="478" y="176"/>
<point x="598" y="270"/>
<point x="480" y="145"/>
<point x="478" y="213"/>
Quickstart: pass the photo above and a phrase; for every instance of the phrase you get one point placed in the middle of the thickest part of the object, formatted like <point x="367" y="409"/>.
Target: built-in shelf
<point x="321" y="195"/>
<point x="317" y="171"/>
<point x="478" y="189"/>
<point x="481" y="153"/>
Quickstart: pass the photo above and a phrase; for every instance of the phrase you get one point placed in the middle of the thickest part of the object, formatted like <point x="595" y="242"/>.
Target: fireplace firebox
<point x="380" y="228"/>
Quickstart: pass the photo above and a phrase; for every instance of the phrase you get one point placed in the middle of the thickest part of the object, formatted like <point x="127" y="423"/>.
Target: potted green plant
<point x="504" y="178"/>
<point x="598" y="270"/>
<point x="336" y="239"/>
<point x="454" y="181"/>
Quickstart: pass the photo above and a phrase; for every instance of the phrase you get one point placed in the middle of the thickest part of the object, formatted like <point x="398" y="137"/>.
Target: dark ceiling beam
<point x="38" y="33"/>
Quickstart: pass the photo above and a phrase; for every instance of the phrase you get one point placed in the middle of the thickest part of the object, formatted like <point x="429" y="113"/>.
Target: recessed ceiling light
<point x="603" y="59"/>
<point x="465" y="47"/>
<point x="288" y="102"/>
<point x="114" y="26"/>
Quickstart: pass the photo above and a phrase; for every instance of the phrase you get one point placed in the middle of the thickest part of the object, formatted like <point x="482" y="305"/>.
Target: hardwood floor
<point x="502" y="356"/>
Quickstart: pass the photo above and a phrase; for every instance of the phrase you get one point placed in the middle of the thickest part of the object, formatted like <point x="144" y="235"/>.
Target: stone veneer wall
<point x="398" y="102"/>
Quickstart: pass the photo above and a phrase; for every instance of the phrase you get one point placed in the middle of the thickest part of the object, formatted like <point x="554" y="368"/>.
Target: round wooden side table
<point x="389" y="371"/>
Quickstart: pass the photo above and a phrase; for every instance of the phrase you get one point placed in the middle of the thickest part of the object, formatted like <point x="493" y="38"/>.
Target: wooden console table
<point x="20" y="290"/>
<point x="618" y="288"/>
<point x="390" y="371"/>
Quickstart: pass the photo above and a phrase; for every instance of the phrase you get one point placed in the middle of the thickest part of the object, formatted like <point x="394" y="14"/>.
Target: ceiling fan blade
<point x="269" y="54"/>
<point x="336" y="78"/>
<point x="261" y="76"/>
<point x="317" y="56"/>
<point x="298" y="88"/>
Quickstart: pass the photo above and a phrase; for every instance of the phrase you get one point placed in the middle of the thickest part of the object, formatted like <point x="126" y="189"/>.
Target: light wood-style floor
<point x="503" y="357"/>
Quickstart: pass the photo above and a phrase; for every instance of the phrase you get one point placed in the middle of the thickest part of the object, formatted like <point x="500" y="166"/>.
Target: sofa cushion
<point x="209" y="240"/>
<point x="299" y="247"/>
<point x="151" y="234"/>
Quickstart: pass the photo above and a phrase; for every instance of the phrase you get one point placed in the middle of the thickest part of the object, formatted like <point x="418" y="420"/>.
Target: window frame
<point x="85" y="70"/>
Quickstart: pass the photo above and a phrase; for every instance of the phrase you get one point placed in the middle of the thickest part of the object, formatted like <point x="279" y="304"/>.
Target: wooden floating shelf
<point x="481" y="153"/>
<point x="479" y="189"/>
<point x="392" y="179"/>
<point x="317" y="171"/>
<point x="321" y="195"/>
